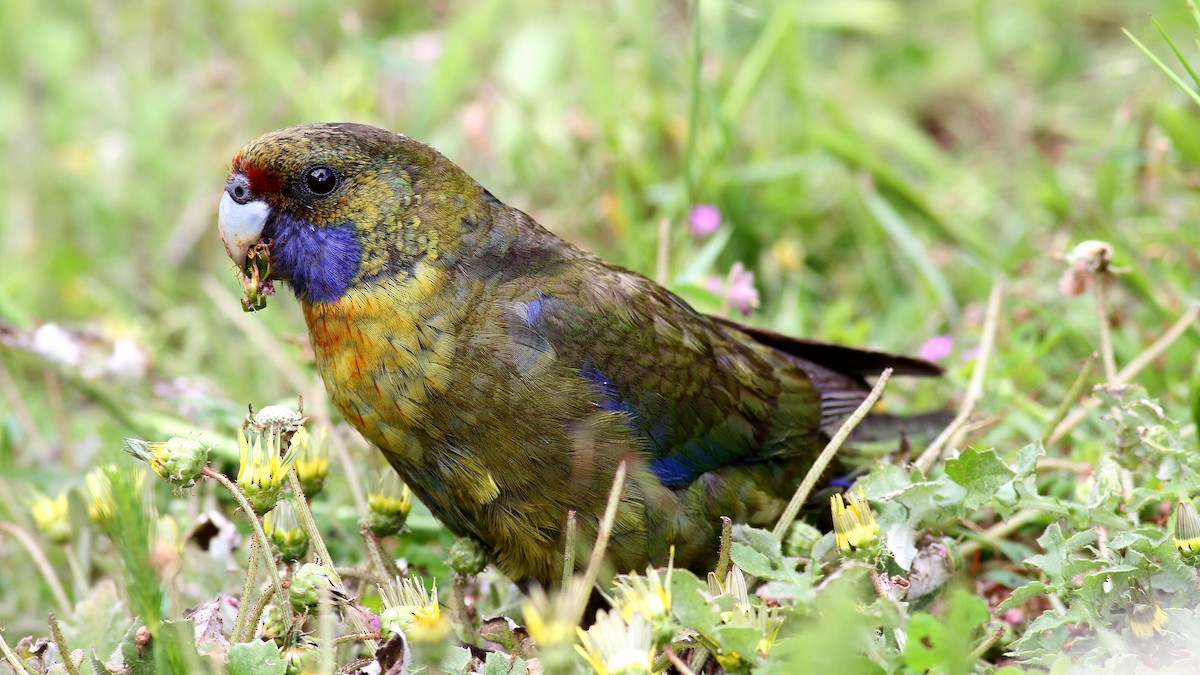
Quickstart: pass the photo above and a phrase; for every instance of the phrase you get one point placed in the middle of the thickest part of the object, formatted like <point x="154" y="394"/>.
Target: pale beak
<point x="241" y="226"/>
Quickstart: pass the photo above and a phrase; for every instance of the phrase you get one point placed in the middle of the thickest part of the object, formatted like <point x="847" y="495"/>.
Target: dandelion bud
<point x="1187" y="529"/>
<point x="312" y="460"/>
<point x="178" y="460"/>
<point x="282" y="525"/>
<point x="801" y="538"/>
<point x="467" y="557"/>
<point x="99" y="498"/>
<point x="301" y="657"/>
<point x="279" y="417"/>
<point x="388" y="504"/>
<point x="1146" y="617"/>
<point x="649" y="596"/>
<point x="307" y="584"/>
<point x="270" y="624"/>
<point x="262" y="470"/>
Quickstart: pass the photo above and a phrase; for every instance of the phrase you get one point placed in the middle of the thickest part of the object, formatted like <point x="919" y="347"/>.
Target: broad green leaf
<point x="759" y="554"/>
<point x="690" y="604"/>
<point x="457" y="660"/>
<point x="255" y="658"/>
<point x="931" y="501"/>
<point x="981" y="473"/>
<point x="1057" y="562"/>
<point x="945" y="645"/>
<point x="1020" y="595"/>
<point x="504" y="664"/>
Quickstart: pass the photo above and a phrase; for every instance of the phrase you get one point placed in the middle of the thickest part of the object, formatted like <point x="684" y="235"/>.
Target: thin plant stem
<point x="975" y="389"/>
<point x="1106" y="348"/>
<point x="258" y="531"/>
<point x="360" y="575"/>
<point x="1160" y="345"/>
<point x="356" y="665"/>
<point x="383" y="564"/>
<point x="678" y="662"/>
<point x="64" y="650"/>
<point x="827" y="455"/>
<point x="326" y="630"/>
<point x="310" y="524"/>
<point x="699" y="658"/>
<point x="355" y="637"/>
<point x="689" y="151"/>
<point x="78" y="579"/>
<point x="723" y="310"/>
<point x="1131" y="369"/>
<point x="602" y="535"/>
<point x="1072" y="395"/>
<point x="466" y="618"/>
<point x="724" y="555"/>
<point x="569" y="553"/>
<point x="14" y="660"/>
<point x="245" y="604"/>
<point x="987" y="643"/>
<point x="255" y="615"/>
<point x="999" y="531"/>
<point x="42" y="563"/>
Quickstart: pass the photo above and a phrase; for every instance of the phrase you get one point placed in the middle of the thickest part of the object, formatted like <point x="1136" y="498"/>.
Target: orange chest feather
<point x="383" y="350"/>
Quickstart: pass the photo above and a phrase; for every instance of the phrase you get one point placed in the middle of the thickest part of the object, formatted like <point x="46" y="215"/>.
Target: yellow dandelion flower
<point x="409" y="608"/>
<point x="51" y="516"/>
<point x="613" y="646"/>
<point x="549" y="621"/>
<point x="854" y="525"/>
<point x="650" y="596"/>
<point x="100" y="505"/>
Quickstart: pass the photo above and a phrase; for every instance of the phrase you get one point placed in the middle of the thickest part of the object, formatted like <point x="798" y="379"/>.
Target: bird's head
<point x="333" y="206"/>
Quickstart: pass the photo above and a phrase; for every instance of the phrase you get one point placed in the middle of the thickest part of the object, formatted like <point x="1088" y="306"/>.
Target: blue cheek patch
<point x="318" y="261"/>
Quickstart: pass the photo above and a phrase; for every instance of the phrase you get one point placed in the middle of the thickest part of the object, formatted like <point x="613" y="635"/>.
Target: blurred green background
<point x="877" y="164"/>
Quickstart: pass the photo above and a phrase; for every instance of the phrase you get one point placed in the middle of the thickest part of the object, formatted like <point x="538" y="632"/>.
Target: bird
<point x="505" y="374"/>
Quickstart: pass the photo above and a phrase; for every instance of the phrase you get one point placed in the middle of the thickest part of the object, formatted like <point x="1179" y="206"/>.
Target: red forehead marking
<point x="262" y="180"/>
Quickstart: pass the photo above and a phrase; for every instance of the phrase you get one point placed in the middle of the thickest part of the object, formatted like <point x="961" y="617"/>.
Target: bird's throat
<point x="320" y="263"/>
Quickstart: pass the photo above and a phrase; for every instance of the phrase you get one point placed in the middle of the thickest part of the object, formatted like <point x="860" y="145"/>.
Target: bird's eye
<point x="320" y="180"/>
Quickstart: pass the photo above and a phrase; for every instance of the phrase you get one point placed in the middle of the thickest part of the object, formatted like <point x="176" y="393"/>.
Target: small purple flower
<point x="936" y="348"/>
<point x="738" y="288"/>
<point x="703" y="220"/>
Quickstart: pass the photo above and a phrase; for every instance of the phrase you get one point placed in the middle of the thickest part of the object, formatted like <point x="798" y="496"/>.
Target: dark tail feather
<point x="849" y="360"/>
<point x="885" y="426"/>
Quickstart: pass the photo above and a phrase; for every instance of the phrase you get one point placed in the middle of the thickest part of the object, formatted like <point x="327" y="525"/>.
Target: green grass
<point x="879" y="165"/>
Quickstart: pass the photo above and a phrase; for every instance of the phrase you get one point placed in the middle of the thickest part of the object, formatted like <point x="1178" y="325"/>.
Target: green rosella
<point x="505" y="373"/>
